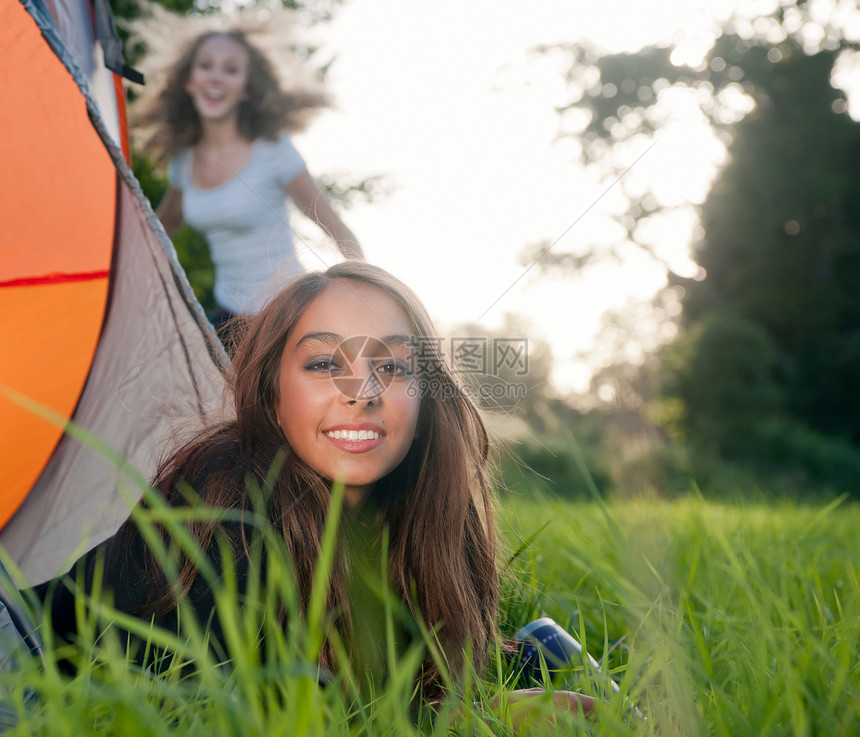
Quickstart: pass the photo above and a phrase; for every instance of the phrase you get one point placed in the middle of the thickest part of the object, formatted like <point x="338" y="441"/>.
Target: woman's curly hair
<point x="173" y="124"/>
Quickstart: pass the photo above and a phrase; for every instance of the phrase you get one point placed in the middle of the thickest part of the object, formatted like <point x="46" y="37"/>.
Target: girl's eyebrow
<point x="322" y="337"/>
<point x="334" y="339"/>
<point x="398" y="340"/>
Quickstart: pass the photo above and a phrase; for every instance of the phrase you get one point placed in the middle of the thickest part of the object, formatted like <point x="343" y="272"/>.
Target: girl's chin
<point x="354" y="482"/>
<point x="355" y="495"/>
<point x="215" y="114"/>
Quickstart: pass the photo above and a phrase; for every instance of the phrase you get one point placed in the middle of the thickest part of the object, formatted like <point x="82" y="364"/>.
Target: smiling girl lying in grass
<point x="334" y="383"/>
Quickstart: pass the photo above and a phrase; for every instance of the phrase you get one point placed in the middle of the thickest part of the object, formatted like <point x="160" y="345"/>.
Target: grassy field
<point x="714" y="619"/>
<point x="717" y="620"/>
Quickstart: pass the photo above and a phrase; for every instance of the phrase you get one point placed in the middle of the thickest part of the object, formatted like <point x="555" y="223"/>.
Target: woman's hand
<point x="528" y="707"/>
<point x="524" y="703"/>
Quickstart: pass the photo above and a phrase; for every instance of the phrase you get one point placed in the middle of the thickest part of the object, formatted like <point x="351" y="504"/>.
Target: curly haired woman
<point x="221" y="119"/>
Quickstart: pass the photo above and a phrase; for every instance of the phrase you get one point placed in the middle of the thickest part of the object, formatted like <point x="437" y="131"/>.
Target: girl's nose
<point x="365" y="384"/>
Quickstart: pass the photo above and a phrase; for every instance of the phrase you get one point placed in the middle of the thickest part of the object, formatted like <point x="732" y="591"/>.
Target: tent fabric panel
<point x="152" y="375"/>
<point x="53" y="330"/>
<point x="58" y="210"/>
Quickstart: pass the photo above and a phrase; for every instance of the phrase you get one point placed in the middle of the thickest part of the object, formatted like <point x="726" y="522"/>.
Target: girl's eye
<point x="394" y="368"/>
<point x="322" y="366"/>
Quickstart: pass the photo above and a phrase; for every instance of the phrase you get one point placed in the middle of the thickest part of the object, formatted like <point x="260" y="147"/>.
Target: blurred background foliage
<point x="756" y="390"/>
<point x="759" y="389"/>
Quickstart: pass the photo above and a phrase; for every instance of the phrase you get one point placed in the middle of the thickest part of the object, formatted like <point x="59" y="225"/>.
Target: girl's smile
<point x="356" y="437"/>
<point x="350" y="414"/>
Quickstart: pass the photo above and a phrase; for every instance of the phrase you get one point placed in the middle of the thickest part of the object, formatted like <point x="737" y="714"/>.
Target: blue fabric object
<point x="544" y="641"/>
<point x="18" y="639"/>
<point x="545" y="644"/>
<point x="559" y="649"/>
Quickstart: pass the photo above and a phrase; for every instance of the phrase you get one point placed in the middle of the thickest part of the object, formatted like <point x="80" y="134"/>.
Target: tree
<point x="772" y="323"/>
<point x="782" y="244"/>
<point x="507" y="370"/>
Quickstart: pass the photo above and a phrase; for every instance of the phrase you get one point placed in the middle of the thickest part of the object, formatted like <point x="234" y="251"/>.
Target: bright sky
<point x="446" y="99"/>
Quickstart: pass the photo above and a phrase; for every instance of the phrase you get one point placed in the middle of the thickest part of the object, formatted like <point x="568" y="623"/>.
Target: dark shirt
<point x="124" y="573"/>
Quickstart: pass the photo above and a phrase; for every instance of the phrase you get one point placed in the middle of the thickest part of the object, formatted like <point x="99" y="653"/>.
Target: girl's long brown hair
<point x="435" y="504"/>
<point x="168" y="122"/>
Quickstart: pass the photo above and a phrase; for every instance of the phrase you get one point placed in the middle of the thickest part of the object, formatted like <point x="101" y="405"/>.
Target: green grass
<point x="718" y="620"/>
<point x="715" y="620"/>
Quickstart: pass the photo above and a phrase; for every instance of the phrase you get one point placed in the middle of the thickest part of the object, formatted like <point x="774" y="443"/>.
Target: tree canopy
<point x="771" y="325"/>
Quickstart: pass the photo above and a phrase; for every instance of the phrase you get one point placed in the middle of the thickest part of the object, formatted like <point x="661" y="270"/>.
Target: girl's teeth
<point x="353" y="435"/>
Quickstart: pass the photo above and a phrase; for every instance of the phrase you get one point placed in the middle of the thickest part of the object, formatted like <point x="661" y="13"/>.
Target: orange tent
<point x="98" y="324"/>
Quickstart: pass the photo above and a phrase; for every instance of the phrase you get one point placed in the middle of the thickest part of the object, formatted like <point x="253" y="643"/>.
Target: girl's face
<point x="347" y="400"/>
<point x="218" y="78"/>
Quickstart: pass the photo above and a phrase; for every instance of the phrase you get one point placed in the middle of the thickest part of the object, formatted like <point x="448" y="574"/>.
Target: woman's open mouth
<point x="354" y="439"/>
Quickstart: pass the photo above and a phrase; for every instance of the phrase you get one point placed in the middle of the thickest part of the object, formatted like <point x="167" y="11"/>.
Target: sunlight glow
<point x="453" y="104"/>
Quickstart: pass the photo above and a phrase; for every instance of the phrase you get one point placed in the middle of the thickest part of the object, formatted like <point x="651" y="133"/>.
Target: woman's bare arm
<point x="314" y="203"/>
<point x="170" y="211"/>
